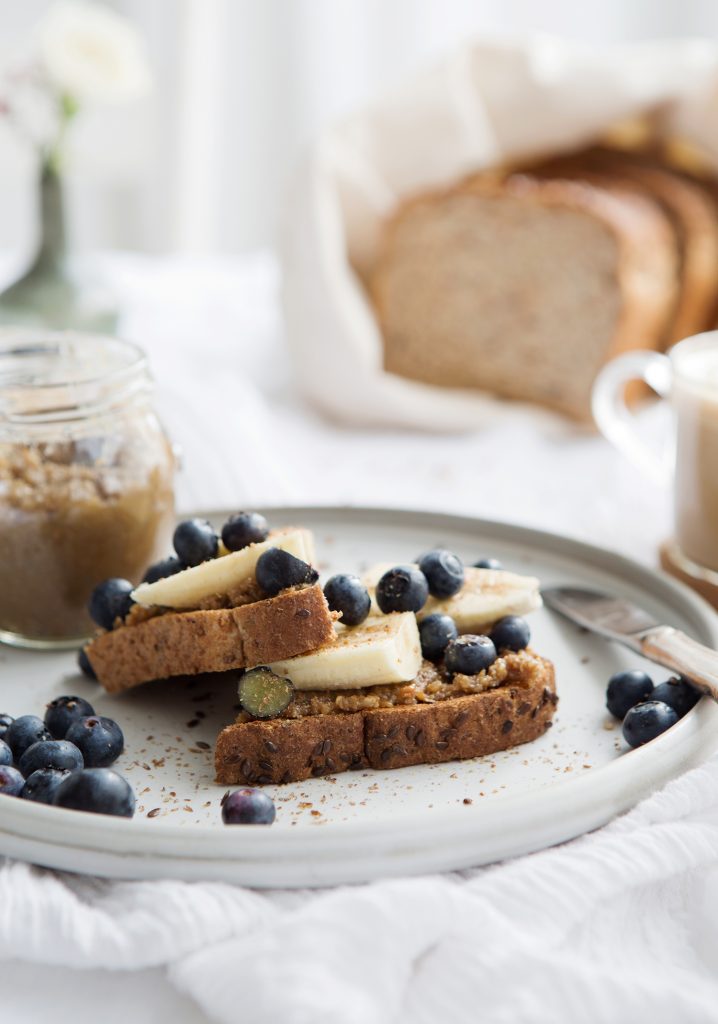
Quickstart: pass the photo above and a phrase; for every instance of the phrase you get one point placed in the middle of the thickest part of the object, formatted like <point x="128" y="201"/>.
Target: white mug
<point x="688" y="377"/>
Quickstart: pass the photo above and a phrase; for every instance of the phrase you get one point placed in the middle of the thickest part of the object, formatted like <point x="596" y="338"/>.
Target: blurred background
<point x="241" y="87"/>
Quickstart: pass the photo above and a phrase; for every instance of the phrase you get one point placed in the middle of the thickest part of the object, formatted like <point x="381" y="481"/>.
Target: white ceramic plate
<point x="363" y="825"/>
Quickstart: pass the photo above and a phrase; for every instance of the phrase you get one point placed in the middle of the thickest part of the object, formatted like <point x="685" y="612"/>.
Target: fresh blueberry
<point x="348" y="595"/>
<point x="99" y="740"/>
<point x="11" y="781"/>
<point x="244" y="529"/>
<point x="5" y="753"/>
<point x="110" y="600"/>
<point x="647" y="720"/>
<point x="402" y="589"/>
<point x="42" y="785"/>
<point x="62" y="712"/>
<point x="444" y="572"/>
<point x="85" y="665"/>
<point x="23" y="732"/>
<point x="488" y="563"/>
<point x="469" y="654"/>
<point x="98" y="790"/>
<point x="512" y="633"/>
<point x="677" y="694"/>
<point x="248" y="807"/>
<point x="625" y="689"/>
<point x="162" y="569"/>
<point x="277" y="569"/>
<point x="5" y="723"/>
<point x="51" y="754"/>
<point x="195" y="541"/>
<point x="435" y="632"/>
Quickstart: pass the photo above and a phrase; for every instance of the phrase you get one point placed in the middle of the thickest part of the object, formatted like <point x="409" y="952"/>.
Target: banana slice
<point x="382" y="650"/>
<point x="486" y="596"/>
<point x="187" y="589"/>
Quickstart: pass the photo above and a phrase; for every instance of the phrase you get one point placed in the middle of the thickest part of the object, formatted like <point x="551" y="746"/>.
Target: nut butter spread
<point x="431" y="685"/>
<point x="84" y="495"/>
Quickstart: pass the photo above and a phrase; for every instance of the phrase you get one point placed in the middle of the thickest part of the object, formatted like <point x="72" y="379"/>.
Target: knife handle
<point x="673" y="649"/>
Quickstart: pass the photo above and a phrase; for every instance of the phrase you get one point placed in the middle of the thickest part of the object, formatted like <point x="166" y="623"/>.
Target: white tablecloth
<point x="616" y="926"/>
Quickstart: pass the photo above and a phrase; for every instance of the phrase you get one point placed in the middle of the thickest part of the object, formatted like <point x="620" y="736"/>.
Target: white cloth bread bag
<point x="485" y="104"/>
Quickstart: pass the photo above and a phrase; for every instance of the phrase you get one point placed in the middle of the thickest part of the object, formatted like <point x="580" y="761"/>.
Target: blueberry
<point x="162" y="569"/>
<point x="84" y="664"/>
<point x="110" y="600"/>
<point x="402" y="589"/>
<point x="626" y="689"/>
<point x="51" y="754"/>
<point x="195" y="541"/>
<point x="244" y="529"/>
<point x="444" y="572"/>
<point x="99" y="740"/>
<point x="469" y="654"/>
<point x="11" y="781"/>
<point x="5" y="753"/>
<point x="264" y="694"/>
<point x="42" y="785"/>
<point x="436" y="631"/>
<point x="512" y="633"/>
<point x="677" y="694"/>
<point x="488" y="563"/>
<point x="5" y="722"/>
<point x="62" y="712"/>
<point x="98" y="790"/>
<point x="248" y="807"/>
<point x="24" y="731"/>
<point x="647" y="720"/>
<point x="276" y="570"/>
<point x="348" y="595"/>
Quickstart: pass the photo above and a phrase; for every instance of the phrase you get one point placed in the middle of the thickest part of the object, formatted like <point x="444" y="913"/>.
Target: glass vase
<point x="51" y="292"/>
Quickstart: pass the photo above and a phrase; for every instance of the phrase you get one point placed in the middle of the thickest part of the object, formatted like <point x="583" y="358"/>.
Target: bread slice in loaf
<point x="523" y="287"/>
<point x="688" y="203"/>
<point x="188" y="643"/>
<point x="392" y="730"/>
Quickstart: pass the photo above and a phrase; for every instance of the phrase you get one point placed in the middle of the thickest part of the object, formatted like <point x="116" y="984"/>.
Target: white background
<point x="242" y="87"/>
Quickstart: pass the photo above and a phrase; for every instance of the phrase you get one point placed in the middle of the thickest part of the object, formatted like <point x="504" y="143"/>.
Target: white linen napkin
<point x="619" y="925"/>
<point x="486" y="103"/>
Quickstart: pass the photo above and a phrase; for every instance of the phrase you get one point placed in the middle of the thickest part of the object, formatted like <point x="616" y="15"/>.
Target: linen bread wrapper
<point x="486" y="104"/>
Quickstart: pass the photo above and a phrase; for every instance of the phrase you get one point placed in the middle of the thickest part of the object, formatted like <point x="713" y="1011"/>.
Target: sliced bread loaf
<point x="524" y="287"/>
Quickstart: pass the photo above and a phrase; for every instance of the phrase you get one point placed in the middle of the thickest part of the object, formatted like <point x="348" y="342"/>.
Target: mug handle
<point x="615" y="420"/>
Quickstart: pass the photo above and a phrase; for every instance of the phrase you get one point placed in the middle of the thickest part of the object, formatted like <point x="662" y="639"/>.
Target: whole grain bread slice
<point x="188" y="643"/>
<point x="293" y="749"/>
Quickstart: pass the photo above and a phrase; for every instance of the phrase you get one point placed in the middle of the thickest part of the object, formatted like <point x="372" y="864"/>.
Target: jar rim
<point x="48" y="376"/>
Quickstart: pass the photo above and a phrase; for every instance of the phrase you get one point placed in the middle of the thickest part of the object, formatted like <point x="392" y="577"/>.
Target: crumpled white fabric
<point x="619" y="925"/>
<point x="487" y="103"/>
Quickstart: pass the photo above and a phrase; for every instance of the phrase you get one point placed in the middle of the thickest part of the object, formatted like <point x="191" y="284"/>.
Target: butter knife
<point x="630" y="625"/>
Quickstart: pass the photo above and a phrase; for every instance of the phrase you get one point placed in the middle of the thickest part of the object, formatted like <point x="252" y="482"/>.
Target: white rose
<point x="92" y="54"/>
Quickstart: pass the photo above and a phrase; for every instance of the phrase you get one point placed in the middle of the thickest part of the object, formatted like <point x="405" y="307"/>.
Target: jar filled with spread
<point x="86" y="479"/>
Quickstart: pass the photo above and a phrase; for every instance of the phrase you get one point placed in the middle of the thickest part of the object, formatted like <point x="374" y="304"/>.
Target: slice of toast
<point x="415" y="731"/>
<point x="187" y="643"/>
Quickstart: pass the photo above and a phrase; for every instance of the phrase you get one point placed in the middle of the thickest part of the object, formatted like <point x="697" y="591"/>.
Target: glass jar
<point x="86" y="479"/>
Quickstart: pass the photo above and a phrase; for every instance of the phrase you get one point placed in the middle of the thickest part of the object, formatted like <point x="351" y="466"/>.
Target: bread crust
<point x="188" y="643"/>
<point x="291" y="750"/>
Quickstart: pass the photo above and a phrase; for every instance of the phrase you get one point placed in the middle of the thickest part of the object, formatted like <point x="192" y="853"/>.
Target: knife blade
<point x="629" y="624"/>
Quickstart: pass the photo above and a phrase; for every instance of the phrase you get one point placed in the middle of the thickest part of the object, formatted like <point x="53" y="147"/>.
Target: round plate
<point x="363" y="825"/>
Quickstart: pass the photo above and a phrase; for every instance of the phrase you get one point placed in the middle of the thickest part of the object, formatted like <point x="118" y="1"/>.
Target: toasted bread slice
<point x="393" y="730"/>
<point x="187" y="643"/>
